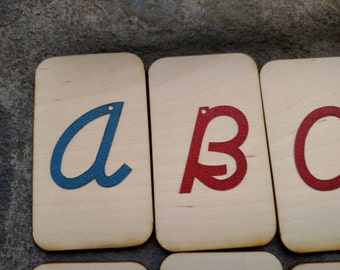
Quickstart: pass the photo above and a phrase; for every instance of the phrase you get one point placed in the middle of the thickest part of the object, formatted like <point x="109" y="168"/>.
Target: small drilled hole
<point x="110" y="108"/>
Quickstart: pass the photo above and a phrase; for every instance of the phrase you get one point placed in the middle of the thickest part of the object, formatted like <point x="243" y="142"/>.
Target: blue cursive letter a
<point x="97" y="170"/>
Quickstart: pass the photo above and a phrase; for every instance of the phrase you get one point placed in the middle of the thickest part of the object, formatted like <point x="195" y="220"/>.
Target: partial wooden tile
<point x="212" y="180"/>
<point x="91" y="189"/>
<point x="301" y="101"/>
<point x="318" y="266"/>
<point x="223" y="260"/>
<point x="91" y="266"/>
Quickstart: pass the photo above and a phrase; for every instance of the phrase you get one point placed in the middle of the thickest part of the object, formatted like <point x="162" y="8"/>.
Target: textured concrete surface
<point x="31" y="31"/>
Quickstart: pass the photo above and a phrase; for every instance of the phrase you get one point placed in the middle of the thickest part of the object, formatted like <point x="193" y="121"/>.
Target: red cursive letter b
<point x="205" y="173"/>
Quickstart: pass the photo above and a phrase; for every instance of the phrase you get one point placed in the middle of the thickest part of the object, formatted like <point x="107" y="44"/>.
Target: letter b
<point x="206" y="173"/>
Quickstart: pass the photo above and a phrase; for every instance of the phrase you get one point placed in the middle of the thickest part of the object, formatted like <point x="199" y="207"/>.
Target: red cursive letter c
<point x="299" y="149"/>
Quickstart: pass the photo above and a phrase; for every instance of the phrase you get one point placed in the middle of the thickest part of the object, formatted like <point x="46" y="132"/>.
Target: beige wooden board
<point x="308" y="218"/>
<point x="91" y="266"/>
<point x="318" y="266"/>
<point x="206" y="218"/>
<point x="91" y="216"/>
<point x="222" y="260"/>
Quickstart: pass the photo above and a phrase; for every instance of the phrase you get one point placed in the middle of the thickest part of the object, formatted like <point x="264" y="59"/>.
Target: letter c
<point x="299" y="149"/>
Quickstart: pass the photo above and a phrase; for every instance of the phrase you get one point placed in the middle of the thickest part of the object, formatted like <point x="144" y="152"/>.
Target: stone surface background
<point x="32" y="30"/>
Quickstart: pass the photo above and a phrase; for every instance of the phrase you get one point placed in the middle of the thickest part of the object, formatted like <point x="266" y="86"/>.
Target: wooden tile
<point x="318" y="266"/>
<point x="223" y="260"/>
<point x="301" y="101"/>
<point x="91" y="266"/>
<point x="96" y="193"/>
<point x="210" y="209"/>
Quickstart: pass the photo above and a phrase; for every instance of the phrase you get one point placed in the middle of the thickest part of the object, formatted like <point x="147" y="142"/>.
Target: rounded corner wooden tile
<point x="91" y="164"/>
<point x="92" y="266"/>
<point x="221" y="260"/>
<point x="302" y="109"/>
<point x="212" y="182"/>
<point x="318" y="266"/>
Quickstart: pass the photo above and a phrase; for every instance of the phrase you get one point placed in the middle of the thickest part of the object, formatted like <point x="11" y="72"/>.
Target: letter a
<point x="97" y="170"/>
<point x="205" y="173"/>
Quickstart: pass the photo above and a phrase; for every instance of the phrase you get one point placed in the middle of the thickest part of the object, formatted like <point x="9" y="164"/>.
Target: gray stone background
<point x="32" y="30"/>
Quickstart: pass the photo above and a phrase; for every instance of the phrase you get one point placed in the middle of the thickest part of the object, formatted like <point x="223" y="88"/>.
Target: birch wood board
<point x="91" y="216"/>
<point x="293" y="91"/>
<point x="91" y="266"/>
<point x="206" y="218"/>
<point x="318" y="266"/>
<point x="222" y="260"/>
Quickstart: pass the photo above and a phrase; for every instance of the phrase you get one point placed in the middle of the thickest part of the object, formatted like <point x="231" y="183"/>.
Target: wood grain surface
<point x="222" y="260"/>
<point x="91" y="266"/>
<point x="205" y="218"/>
<point x="318" y="266"/>
<point x="91" y="216"/>
<point x="292" y="90"/>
